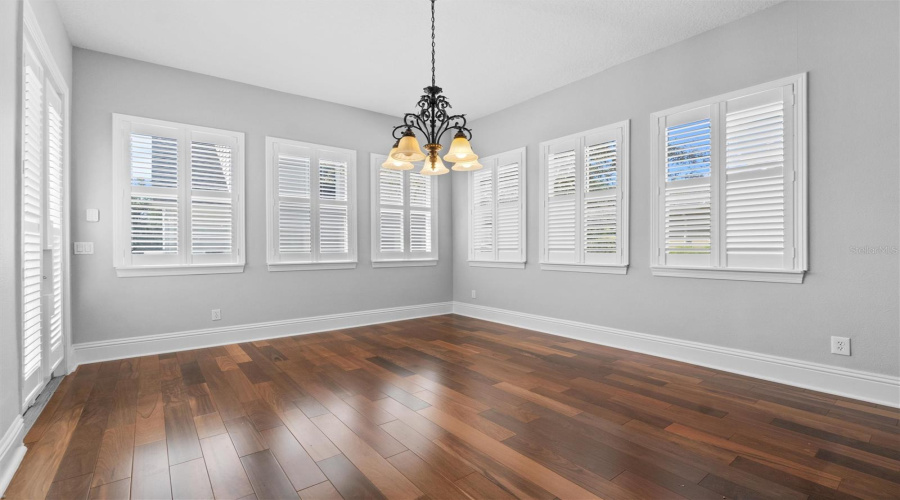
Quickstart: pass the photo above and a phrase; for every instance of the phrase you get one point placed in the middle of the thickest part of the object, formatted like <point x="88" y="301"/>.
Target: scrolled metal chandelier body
<point x="432" y="120"/>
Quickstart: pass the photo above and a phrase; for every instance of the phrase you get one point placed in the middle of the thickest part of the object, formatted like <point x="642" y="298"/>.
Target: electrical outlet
<point x="840" y="345"/>
<point x="216" y="314"/>
<point x="474" y="295"/>
<point x="84" y="247"/>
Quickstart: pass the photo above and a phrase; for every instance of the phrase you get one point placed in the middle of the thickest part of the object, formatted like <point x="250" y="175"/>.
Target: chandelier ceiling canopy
<point x="432" y="120"/>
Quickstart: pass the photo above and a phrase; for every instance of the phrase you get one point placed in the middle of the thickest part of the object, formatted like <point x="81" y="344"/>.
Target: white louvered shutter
<point x="561" y="217"/>
<point x="687" y="196"/>
<point x="420" y="215"/>
<point x="509" y="203"/>
<point x="483" y="213"/>
<point x="333" y="224"/>
<point x="54" y="230"/>
<point x="601" y="199"/>
<point x="153" y="195"/>
<point x="293" y="203"/>
<point x="213" y="198"/>
<point x="757" y="205"/>
<point x="33" y="143"/>
<point x="391" y="220"/>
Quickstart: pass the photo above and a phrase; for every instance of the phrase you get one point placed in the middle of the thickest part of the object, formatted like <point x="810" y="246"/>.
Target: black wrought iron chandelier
<point x="433" y="121"/>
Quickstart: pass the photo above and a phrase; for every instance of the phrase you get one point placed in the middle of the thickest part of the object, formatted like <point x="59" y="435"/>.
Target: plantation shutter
<point x="687" y="197"/>
<point x="333" y="206"/>
<point x="212" y="198"/>
<point x="420" y="215"/>
<point x="561" y="217"/>
<point x="758" y="200"/>
<point x="293" y="200"/>
<point x="509" y="202"/>
<point x="601" y="196"/>
<point x="33" y="143"/>
<point x="391" y="220"/>
<point x="483" y="214"/>
<point x="54" y="230"/>
<point x="153" y="194"/>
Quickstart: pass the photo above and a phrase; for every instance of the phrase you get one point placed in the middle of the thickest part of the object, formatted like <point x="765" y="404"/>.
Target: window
<point x="180" y="208"/>
<point x="404" y="217"/>
<point x="584" y="201"/>
<point x="729" y="186"/>
<point x="497" y="211"/>
<point x="311" y="198"/>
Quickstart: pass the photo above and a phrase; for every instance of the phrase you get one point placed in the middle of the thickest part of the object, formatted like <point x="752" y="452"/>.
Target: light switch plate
<point x="84" y="247"/>
<point x="92" y="215"/>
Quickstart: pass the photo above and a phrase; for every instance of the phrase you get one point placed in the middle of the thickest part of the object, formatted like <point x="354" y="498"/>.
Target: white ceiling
<point x="375" y="54"/>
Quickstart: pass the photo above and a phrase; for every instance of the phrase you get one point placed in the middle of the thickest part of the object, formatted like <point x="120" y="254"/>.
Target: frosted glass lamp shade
<point x="439" y="168"/>
<point x="392" y="164"/>
<point x="408" y="149"/>
<point x="468" y="166"/>
<point x="460" y="150"/>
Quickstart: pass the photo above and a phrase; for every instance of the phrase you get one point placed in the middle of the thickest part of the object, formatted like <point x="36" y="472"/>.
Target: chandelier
<point x="433" y="121"/>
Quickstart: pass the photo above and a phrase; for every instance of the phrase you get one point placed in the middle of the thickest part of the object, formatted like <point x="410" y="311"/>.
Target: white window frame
<point x="276" y="262"/>
<point x="407" y="258"/>
<point x="492" y="164"/>
<point x="623" y="166"/>
<point x="795" y="172"/>
<point x="184" y="263"/>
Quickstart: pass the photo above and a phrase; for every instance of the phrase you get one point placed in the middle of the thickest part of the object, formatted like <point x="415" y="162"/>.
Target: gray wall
<point x="107" y="307"/>
<point x="850" y="50"/>
<point x="10" y="88"/>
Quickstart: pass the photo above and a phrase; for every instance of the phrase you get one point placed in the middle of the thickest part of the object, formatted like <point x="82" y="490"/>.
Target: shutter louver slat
<point x="32" y="214"/>
<point x="54" y="218"/>
<point x="561" y="191"/>
<point x="391" y="227"/>
<point x="600" y="225"/>
<point x="390" y="187"/>
<point x="294" y="227"/>
<point x="508" y="203"/>
<point x="419" y="190"/>
<point x="333" y="230"/>
<point x="600" y="218"/>
<point x="154" y="161"/>
<point x="210" y="167"/>
<point x="293" y="176"/>
<point x="688" y="216"/>
<point x="483" y="212"/>
<point x="754" y="187"/>
<point x="154" y="224"/>
<point x="600" y="171"/>
<point x="419" y="231"/>
<point x="332" y="180"/>
<point x="211" y="226"/>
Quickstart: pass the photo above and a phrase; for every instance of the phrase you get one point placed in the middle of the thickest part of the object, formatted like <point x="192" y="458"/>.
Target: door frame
<point x="33" y="36"/>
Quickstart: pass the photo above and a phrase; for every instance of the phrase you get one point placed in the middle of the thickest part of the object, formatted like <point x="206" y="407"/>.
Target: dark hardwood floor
<point x="446" y="407"/>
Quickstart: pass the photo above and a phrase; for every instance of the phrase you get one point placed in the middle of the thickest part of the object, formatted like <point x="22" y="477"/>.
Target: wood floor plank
<point x="209" y="424"/>
<point x="181" y="435"/>
<point x="321" y="491"/>
<point x="300" y="469"/>
<point x="150" y="474"/>
<point x="73" y="488"/>
<point x="424" y="477"/>
<point x="246" y="438"/>
<point x="348" y="480"/>
<point x="226" y="474"/>
<point x="116" y="452"/>
<point x="266" y="476"/>
<point x="190" y="481"/>
<point x="119" y="490"/>
<point x="386" y="478"/>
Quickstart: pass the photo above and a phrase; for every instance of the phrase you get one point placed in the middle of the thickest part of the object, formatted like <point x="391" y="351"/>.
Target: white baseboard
<point x="865" y="386"/>
<point x="11" y="452"/>
<point x="92" y="352"/>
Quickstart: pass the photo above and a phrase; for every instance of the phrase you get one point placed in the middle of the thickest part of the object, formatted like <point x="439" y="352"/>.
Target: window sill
<point x="493" y="263"/>
<point x="135" y="272"/>
<point x="585" y="268"/>
<point x="405" y="263"/>
<point x="310" y="266"/>
<point x="731" y="274"/>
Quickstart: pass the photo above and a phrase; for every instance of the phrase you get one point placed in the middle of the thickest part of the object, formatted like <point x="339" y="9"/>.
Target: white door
<point x="52" y="288"/>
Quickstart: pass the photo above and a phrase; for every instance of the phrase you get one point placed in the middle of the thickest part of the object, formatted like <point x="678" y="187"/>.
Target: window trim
<point x="623" y="180"/>
<point x="801" y="201"/>
<point x="274" y="264"/>
<point x="375" y="161"/>
<point x="495" y="160"/>
<point x="121" y="189"/>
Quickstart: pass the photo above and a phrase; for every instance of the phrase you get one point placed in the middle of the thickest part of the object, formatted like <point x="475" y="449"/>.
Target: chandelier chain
<point x="432" y="44"/>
